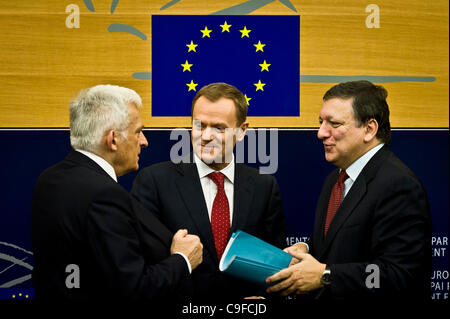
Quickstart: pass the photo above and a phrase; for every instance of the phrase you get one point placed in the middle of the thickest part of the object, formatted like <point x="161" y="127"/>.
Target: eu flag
<point x="260" y="55"/>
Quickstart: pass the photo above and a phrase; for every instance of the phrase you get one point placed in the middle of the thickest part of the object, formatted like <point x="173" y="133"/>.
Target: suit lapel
<point x="190" y="189"/>
<point x="345" y="210"/>
<point x="243" y="193"/>
<point x="350" y="201"/>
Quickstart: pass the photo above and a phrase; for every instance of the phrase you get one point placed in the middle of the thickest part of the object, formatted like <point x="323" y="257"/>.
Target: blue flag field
<point x="260" y="55"/>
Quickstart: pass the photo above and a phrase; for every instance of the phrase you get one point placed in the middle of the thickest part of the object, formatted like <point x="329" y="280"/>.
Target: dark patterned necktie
<point x="335" y="199"/>
<point x="220" y="215"/>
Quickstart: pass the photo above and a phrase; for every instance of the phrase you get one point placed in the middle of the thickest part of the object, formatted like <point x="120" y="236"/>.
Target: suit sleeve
<point x="275" y="224"/>
<point x="128" y="274"/>
<point x="145" y="191"/>
<point x="399" y="245"/>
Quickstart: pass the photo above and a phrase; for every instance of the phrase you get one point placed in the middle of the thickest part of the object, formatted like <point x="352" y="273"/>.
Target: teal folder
<point x="250" y="258"/>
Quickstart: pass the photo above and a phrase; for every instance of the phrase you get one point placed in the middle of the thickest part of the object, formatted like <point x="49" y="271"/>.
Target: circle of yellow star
<point x="225" y="27"/>
<point x="187" y="66"/>
<point x="264" y="66"/>
<point x="245" y="32"/>
<point x="259" y="46"/>
<point x="247" y="99"/>
<point x="192" y="85"/>
<point x="192" y="46"/>
<point x="259" y="86"/>
<point x="206" y="32"/>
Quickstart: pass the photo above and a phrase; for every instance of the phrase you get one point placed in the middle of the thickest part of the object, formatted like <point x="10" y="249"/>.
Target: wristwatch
<point x="325" y="279"/>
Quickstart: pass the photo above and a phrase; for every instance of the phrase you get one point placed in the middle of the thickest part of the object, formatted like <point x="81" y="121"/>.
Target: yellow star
<point x="245" y="32"/>
<point x="192" y="85"/>
<point x="259" y="46"/>
<point x="192" y="46"/>
<point x="259" y="86"/>
<point x="264" y="66"/>
<point x="187" y="66"/>
<point x="206" y="32"/>
<point x="225" y="27"/>
<point x="247" y="99"/>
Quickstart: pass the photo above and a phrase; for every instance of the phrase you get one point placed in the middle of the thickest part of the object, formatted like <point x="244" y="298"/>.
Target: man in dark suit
<point x="372" y="230"/>
<point x="91" y="239"/>
<point x="191" y="196"/>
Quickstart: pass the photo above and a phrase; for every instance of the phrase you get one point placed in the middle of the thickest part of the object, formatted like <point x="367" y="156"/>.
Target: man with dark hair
<point x="369" y="101"/>
<point x="372" y="230"/>
<point x="212" y="196"/>
<point x="215" y="91"/>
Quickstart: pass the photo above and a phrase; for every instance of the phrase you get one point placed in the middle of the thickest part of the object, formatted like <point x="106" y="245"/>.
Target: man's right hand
<point x="189" y="245"/>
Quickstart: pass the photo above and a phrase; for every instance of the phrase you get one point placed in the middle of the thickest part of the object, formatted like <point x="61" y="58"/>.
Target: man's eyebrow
<point x="219" y="124"/>
<point x="213" y="124"/>
<point x="330" y="118"/>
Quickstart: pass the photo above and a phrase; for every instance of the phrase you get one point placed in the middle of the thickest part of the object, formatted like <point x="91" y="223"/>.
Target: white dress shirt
<point x="101" y="162"/>
<point x="357" y="166"/>
<point x="110" y="171"/>
<point x="210" y="188"/>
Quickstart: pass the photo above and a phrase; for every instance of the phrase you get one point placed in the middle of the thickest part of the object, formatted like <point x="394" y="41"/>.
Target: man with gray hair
<point x="91" y="239"/>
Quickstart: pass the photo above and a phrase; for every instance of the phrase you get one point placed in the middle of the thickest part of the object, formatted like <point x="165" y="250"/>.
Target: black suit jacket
<point x="383" y="220"/>
<point x="173" y="193"/>
<point x="81" y="216"/>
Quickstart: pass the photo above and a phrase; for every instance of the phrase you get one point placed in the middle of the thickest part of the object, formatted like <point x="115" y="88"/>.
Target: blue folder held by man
<point x="250" y="258"/>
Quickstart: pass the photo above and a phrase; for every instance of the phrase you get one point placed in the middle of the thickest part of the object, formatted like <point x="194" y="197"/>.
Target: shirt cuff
<point x="187" y="261"/>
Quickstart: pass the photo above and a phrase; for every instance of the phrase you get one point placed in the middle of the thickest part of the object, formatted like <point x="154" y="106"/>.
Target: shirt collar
<point x="357" y="166"/>
<point x="101" y="162"/>
<point x="204" y="170"/>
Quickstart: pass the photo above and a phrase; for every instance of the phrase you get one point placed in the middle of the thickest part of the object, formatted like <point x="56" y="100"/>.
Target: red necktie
<point x="220" y="215"/>
<point x="335" y="199"/>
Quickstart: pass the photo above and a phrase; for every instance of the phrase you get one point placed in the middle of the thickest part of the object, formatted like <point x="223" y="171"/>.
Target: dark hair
<point x="215" y="91"/>
<point x="369" y="102"/>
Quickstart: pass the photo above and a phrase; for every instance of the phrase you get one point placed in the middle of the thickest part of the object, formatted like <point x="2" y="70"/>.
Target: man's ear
<point x="111" y="140"/>
<point x="242" y="129"/>
<point x="370" y="130"/>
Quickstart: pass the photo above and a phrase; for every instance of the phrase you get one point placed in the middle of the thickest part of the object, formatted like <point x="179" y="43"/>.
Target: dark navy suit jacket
<point x="81" y="216"/>
<point x="173" y="193"/>
<point x="384" y="220"/>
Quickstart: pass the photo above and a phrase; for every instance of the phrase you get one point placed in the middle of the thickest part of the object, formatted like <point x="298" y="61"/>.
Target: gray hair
<point x="97" y="110"/>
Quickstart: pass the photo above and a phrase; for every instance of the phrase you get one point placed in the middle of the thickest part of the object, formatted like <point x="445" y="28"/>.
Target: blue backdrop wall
<point x="300" y="174"/>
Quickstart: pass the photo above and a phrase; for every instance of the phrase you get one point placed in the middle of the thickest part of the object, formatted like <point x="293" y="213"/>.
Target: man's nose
<point x="143" y="140"/>
<point x="323" y="132"/>
<point x="208" y="134"/>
